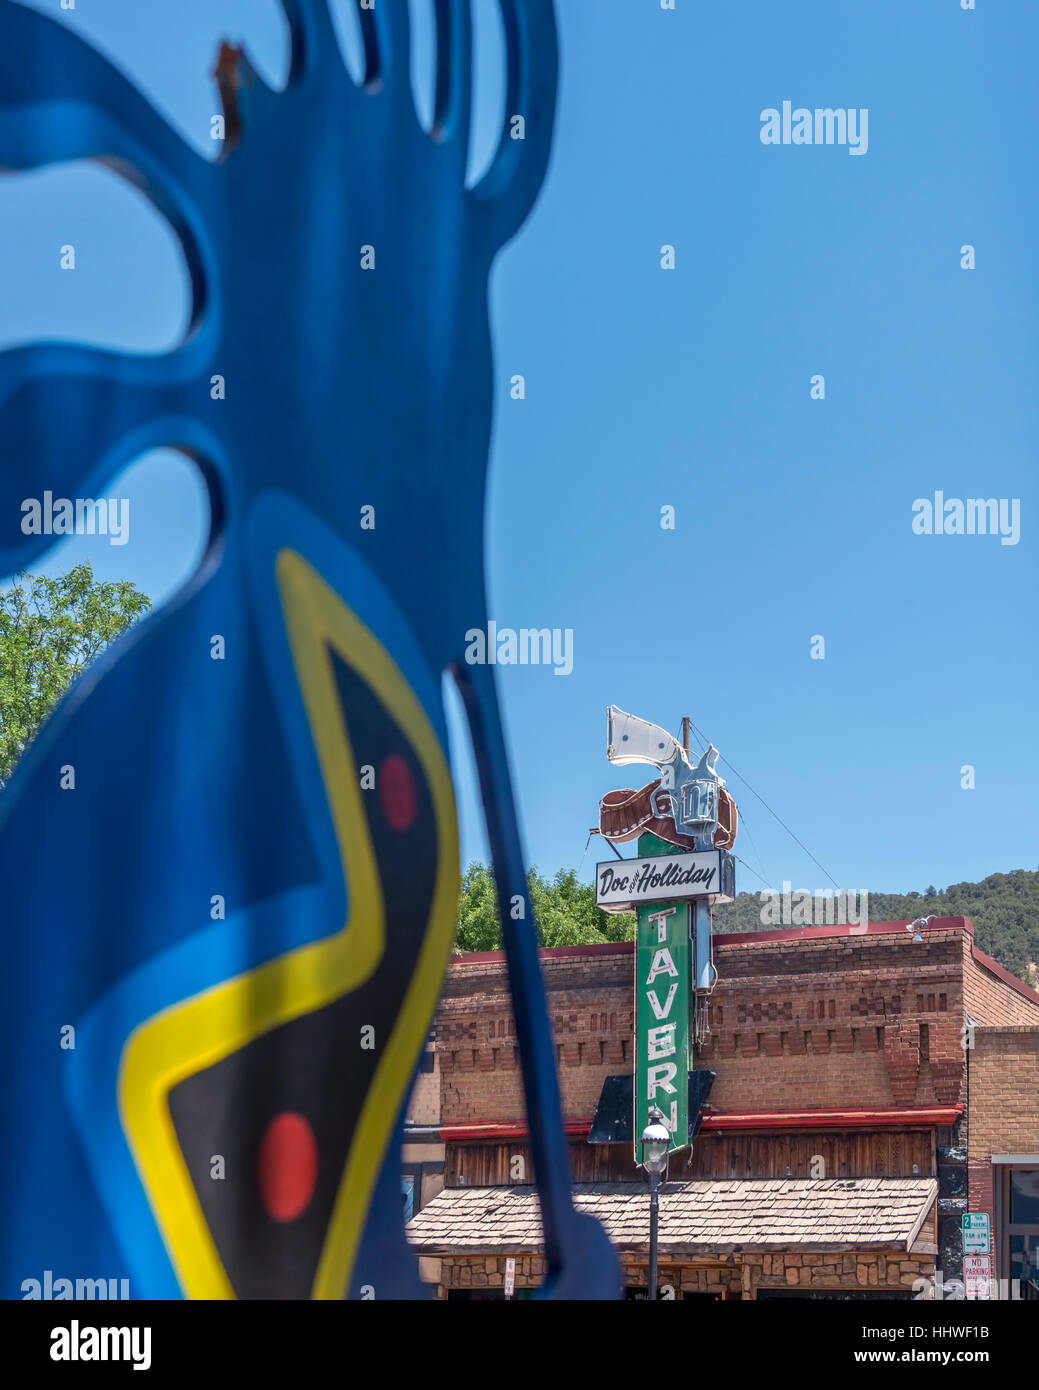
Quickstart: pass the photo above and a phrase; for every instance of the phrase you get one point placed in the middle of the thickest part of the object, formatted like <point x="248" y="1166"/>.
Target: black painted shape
<point x="952" y="1180"/>
<point x="950" y="1248"/>
<point x="613" y="1112"/>
<point x="314" y="1065"/>
<point x="700" y="1083"/>
<point x="952" y="1154"/>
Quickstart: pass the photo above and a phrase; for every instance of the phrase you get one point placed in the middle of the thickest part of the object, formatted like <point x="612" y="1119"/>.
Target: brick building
<point x="868" y="1083"/>
<point x="1003" y="1146"/>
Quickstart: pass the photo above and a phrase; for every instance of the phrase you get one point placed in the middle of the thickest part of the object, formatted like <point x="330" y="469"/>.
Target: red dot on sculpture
<point x="397" y="792"/>
<point x="286" y="1166"/>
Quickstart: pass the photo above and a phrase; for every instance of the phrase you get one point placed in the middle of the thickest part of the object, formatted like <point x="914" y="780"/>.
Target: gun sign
<point x="623" y="884"/>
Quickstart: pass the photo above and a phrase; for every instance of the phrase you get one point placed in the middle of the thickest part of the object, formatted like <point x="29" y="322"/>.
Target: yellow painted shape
<point x="196" y="1033"/>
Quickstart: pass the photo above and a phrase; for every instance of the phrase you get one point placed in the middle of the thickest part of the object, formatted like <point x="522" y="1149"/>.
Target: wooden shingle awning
<point x="696" y="1218"/>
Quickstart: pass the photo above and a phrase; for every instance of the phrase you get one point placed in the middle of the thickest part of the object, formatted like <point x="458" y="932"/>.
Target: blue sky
<point x="690" y="388"/>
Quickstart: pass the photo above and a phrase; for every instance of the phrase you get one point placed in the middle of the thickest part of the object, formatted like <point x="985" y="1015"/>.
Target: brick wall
<point x="839" y="1020"/>
<point x="990" y="997"/>
<point x="1004" y="1114"/>
<point x="806" y="1022"/>
<point x="590" y="994"/>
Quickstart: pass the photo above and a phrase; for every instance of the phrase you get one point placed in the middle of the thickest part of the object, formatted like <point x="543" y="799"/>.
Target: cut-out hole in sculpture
<point x="88" y="259"/>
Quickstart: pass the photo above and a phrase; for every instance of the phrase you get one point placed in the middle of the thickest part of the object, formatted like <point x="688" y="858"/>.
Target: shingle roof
<point x="695" y="1217"/>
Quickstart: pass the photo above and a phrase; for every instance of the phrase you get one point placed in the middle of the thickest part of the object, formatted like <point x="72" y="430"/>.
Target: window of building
<point x="1020" y="1211"/>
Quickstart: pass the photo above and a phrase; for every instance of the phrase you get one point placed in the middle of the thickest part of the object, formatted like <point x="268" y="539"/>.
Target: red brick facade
<point x="820" y="1018"/>
<point x="1004" y="1117"/>
<point x="866" y="1021"/>
<point x="590" y="1006"/>
<point x="874" y="1019"/>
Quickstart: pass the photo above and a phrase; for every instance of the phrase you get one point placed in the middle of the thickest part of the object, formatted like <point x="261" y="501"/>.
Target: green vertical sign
<point x="662" y="974"/>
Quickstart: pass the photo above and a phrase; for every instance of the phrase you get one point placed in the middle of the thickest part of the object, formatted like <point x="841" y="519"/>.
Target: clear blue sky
<point x="691" y="388"/>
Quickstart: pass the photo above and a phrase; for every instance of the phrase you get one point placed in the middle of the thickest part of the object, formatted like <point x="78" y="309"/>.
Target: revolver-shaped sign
<point x="687" y="806"/>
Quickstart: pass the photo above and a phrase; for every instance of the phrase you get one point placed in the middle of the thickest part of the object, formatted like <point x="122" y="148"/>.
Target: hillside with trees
<point x="1003" y="907"/>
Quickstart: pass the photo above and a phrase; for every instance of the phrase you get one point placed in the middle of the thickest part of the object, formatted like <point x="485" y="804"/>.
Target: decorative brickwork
<point x="798" y="1021"/>
<point x="591" y="1011"/>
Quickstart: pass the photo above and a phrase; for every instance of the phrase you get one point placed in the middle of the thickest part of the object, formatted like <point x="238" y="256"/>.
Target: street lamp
<point x="917" y="923"/>
<point x="656" y="1141"/>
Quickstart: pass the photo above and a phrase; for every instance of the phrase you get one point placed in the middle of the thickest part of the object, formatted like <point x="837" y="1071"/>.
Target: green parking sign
<point x="977" y="1239"/>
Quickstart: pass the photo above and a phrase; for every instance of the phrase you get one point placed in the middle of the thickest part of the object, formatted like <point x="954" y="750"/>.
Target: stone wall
<point x="739" y="1277"/>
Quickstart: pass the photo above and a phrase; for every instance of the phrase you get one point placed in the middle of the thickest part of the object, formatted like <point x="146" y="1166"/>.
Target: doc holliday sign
<point x="624" y="884"/>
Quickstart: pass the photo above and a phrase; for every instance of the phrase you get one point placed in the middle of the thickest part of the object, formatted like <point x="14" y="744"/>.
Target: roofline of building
<point x="743" y="938"/>
<point x="1005" y="975"/>
<point x="779" y="934"/>
<point x="455" y="1244"/>
<point x="883" y="1117"/>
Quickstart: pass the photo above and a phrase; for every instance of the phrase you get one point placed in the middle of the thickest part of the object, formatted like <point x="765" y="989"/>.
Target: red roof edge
<point x="1003" y="974"/>
<point x="599" y="948"/>
<point x="886" y="1117"/>
<point x="845" y="929"/>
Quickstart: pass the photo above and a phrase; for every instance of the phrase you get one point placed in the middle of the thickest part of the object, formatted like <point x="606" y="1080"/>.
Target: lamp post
<point x="656" y="1140"/>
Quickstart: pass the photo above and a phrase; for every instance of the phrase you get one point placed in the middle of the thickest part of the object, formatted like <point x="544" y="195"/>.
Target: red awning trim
<point x="455" y="1134"/>
<point x="887" y="1117"/>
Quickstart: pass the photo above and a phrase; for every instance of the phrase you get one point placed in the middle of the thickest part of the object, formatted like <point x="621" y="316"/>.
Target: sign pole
<point x="654" y="1203"/>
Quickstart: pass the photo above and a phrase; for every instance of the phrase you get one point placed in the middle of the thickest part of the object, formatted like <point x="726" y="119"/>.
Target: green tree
<point x="478" y="927"/>
<point x="564" y="912"/>
<point x="50" y="631"/>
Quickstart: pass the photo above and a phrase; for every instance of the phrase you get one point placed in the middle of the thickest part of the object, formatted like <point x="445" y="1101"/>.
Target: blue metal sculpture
<point x="245" y="935"/>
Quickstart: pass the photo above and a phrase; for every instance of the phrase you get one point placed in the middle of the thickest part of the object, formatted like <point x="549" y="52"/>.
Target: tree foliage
<point x="564" y="912"/>
<point x="50" y="631"/>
